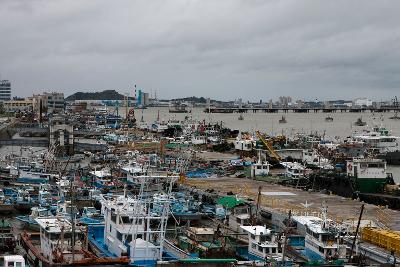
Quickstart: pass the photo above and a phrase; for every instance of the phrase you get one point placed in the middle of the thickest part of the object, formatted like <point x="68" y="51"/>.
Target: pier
<point x="299" y="110"/>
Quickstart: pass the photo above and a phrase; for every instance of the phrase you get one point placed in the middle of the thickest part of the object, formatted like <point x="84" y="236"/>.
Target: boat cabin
<point x="294" y="170"/>
<point x="125" y="232"/>
<point x="263" y="244"/>
<point x="13" y="261"/>
<point x="370" y="174"/>
<point x="199" y="240"/>
<point x="55" y="239"/>
<point x="320" y="241"/>
<point x="259" y="169"/>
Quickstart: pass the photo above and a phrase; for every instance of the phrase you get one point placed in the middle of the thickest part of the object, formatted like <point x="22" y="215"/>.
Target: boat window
<point x="260" y="248"/>
<point x="119" y="236"/>
<point x="273" y="250"/>
<point x="265" y="238"/>
<point x="113" y="217"/>
<point x="238" y="220"/>
<point x="253" y="236"/>
<point x="321" y="249"/>
<point x="125" y="219"/>
<point x="55" y="236"/>
<point x="327" y="237"/>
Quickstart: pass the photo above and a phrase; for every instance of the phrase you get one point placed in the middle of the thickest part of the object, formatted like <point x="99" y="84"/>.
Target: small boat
<point x="241" y="117"/>
<point x="283" y="120"/>
<point x="329" y="119"/>
<point x="360" y="122"/>
<point x="395" y="117"/>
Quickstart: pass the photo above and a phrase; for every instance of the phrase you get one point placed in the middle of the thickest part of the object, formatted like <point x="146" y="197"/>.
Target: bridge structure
<point x="299" y="110"/>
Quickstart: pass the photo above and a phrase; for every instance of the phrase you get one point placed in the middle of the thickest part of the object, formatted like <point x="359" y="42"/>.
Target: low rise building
<point x="19" y="105"/>
<point x="49" y="102"/>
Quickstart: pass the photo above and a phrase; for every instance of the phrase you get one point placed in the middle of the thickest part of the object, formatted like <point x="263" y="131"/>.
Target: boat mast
<point x="72" y="221"/>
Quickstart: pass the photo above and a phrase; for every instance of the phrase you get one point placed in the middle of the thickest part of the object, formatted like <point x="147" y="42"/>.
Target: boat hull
<point x="38" y="260"/>
<point x="6" y="209"/>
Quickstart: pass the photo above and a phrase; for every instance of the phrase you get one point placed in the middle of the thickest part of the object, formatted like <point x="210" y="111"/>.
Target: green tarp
<point x="229" y="202"/>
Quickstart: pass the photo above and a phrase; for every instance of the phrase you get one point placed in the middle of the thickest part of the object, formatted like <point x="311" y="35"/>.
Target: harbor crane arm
<point x="269" y="146"/>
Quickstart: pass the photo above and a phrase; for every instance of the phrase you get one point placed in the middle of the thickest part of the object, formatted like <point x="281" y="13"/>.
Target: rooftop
<point x="256" y="230"/>
<point x="54" y="224"/>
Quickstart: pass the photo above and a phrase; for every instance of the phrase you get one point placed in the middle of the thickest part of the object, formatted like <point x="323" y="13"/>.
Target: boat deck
<point x="280" y="199"/>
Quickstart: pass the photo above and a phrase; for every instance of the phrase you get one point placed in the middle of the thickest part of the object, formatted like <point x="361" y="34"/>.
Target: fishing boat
<point x="198" y="139"/>
<point x="282" y="120"/>
<point x="329" y="119"/>
<point x="201" y="242"/>
<point x="312" y="159"/>
<point x="241" y="117"/>
<point x="34" y="177"/>
<point x="61" y="243"/>
<point x="263" y="245"/>
<point x="29" y="221"/>
<point x="245" y="142"/>
<point x="380" y="142"/>
<point x="322" y="238"/>
<point x="294" y="170"/>
<point x="178" y="108"/>
<point x="127" y="229"/>
<point x="360" y="122"/>
<point x="368" y="175"/>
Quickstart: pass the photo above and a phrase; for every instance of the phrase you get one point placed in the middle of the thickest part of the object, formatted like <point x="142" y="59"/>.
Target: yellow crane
<point x="269" y="146"/>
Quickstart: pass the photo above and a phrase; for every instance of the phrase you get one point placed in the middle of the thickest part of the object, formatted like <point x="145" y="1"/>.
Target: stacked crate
<point x="387" y="239"/>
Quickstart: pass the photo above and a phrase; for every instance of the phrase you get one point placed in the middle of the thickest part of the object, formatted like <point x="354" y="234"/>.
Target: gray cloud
<point x="254" y="49"/>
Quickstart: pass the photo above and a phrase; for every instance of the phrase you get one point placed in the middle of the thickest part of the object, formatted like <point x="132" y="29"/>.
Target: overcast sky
<point x="224" y="49"/>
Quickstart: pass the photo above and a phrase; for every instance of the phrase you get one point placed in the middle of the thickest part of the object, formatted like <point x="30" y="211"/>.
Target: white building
<point x="363" y="102"/>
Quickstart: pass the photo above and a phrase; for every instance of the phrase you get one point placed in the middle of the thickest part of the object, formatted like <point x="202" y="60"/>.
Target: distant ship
<point x="283" y="120"/>
<point x="329" y="119"/>
<point x="178" y="108"/>
<point x="360" y="122"/>
<point x="241" y="117"/>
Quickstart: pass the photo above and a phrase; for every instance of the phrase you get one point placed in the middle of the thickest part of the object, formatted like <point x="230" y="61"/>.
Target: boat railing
<point x="175" y="250"/>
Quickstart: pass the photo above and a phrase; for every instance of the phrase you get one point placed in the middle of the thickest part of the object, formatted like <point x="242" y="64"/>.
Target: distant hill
<point x="197" y="100"/>
<point x="105" y="95"/>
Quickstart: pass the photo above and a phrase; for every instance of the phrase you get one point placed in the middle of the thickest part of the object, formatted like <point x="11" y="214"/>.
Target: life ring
<point x="349" y="167"/>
